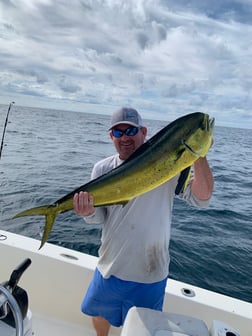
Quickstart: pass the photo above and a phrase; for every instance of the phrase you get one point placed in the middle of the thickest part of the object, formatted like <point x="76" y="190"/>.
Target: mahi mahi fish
<point x="169" y="152"/>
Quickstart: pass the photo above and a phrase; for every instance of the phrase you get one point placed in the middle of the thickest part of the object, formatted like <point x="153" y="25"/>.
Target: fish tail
<point x="38" y="211"/>
<point x="50" y="218"/>
<point x="49" y="211"/>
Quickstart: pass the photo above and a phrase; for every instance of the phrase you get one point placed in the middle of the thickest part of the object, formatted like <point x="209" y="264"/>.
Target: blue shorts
<point x="112" y="298"/>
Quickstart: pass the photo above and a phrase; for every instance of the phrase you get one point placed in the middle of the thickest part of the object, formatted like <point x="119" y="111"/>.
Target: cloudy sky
<point x="164" y="57"/>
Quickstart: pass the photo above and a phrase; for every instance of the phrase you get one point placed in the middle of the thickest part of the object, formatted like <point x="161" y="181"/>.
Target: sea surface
<point x="48" y="153"/>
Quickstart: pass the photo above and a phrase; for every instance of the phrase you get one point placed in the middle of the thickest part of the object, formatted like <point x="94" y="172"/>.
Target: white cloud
<point x="165" y="58"/>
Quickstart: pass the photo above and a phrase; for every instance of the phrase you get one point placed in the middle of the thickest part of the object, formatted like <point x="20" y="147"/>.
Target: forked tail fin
<point x="49" y="211"/>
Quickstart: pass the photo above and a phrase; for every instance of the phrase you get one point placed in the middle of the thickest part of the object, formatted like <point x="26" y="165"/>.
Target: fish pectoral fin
<point x="179" y="154"/>
<point x="187" y="147"/>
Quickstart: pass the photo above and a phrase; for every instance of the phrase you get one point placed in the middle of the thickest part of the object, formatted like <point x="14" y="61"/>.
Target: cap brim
<point x="126" y="123"/>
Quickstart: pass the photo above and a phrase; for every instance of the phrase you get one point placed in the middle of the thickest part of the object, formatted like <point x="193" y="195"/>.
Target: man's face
<point x="126" y="144"/>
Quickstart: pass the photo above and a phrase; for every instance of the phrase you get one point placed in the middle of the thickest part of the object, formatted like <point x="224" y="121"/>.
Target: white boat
<point x="56" y="282"/>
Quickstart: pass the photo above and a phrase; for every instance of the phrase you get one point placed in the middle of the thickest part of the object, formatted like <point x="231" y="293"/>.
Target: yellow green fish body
<point x="174" y="148"/>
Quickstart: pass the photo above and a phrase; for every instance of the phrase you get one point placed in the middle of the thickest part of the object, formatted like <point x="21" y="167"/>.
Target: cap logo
<point x="130" y="115"/>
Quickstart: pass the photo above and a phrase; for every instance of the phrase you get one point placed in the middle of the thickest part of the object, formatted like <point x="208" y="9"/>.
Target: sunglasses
<point x="130" y="131"/>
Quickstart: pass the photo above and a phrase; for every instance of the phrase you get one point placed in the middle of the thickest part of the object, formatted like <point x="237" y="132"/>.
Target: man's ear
<point x="144" y="131"/>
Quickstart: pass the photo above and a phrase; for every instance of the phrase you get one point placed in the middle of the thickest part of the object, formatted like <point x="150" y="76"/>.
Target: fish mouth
<point x="210" y="124"/>
<point x="207" y="123"/>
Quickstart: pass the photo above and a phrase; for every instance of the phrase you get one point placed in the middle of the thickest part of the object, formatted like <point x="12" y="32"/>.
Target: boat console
<point x="148" y="322"/>
<point x="15" y="317"/>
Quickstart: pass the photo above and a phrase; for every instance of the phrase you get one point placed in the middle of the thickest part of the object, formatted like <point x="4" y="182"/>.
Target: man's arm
<point x="203" y="182"/>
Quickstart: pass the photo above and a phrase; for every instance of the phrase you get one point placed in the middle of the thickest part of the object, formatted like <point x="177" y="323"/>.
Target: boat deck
<point x="42" y="325"/>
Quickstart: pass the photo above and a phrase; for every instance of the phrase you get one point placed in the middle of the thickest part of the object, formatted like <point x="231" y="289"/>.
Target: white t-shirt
<point x="135" y="237"/>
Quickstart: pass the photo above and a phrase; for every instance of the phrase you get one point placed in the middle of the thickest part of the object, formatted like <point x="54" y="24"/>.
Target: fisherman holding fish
<point x="134" y="257"/>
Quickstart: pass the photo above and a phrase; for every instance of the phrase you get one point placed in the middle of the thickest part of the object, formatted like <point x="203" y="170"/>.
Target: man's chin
<point x="125" y="154"/>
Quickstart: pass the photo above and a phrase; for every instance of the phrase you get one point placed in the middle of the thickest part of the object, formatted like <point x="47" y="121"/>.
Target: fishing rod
<point x="5" y="126"/>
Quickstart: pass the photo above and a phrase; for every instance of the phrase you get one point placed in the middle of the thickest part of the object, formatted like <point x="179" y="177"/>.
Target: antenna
<point x="5" y="126"/>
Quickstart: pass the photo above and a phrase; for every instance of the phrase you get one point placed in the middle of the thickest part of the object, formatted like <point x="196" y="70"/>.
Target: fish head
<point x="199" y="138"/>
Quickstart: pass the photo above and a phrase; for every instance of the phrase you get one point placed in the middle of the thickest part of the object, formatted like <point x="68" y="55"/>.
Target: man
<point x="134" y="255"/>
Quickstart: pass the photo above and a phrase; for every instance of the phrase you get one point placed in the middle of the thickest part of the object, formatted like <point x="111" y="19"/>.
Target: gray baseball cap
<point x="126" y="115"/>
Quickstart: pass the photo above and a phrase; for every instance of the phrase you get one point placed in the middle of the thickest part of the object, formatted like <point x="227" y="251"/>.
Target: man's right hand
<point x="83" y="204"/>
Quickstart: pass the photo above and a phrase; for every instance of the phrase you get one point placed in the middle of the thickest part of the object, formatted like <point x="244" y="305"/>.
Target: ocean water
<point x="48" y="153"/>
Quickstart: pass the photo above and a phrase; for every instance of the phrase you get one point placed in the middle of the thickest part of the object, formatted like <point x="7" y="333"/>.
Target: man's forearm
<point x="203" y="182"/>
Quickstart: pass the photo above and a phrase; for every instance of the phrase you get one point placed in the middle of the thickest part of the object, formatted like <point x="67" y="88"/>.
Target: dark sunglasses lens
<point x="131" y="131"/>
<point x="117" y="133"/>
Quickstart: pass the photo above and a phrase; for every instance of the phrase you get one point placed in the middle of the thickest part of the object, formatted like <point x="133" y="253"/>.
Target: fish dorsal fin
<point x="183" y="180"/>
